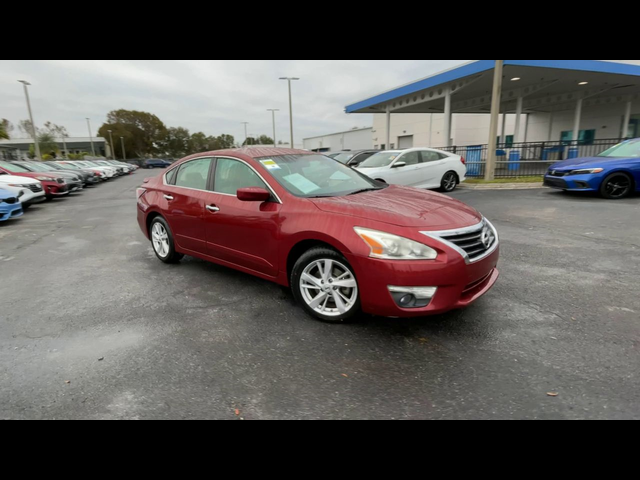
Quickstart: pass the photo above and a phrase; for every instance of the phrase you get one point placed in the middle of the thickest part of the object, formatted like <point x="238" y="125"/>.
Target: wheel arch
<point x="303" y="244"/>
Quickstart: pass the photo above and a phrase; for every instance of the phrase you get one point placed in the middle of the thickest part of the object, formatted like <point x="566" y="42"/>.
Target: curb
<point x="501" y="186"/>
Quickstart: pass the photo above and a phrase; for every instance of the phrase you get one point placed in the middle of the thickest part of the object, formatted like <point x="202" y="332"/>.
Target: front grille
<point x="556" y="173"/>
<point x="10" y="201"/>
<point x="35" y="188"/>
<point x="555" y="183"/>
<point x="474" y="243"/>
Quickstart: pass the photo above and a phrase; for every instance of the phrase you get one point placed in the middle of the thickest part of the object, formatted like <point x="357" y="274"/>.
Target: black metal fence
<point x="529" y="159"/>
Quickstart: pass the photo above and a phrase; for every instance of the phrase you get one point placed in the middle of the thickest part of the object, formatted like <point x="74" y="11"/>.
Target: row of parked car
<point x="25" y="183"/>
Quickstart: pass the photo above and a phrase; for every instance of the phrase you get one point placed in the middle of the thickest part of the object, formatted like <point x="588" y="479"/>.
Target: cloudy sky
<point x="212" y="96"/>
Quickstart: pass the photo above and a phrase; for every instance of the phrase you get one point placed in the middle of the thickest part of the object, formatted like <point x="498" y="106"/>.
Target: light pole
<point x="113" y="150"/>
<point x="124" y="154"/>
<point x="289" y="80"/>
<point x="64" y="146"/>
<point x="273" y="115"/>
<point x="93" y="150"/>
<point x="25" y="84"/>
<point x="246" y="137"/>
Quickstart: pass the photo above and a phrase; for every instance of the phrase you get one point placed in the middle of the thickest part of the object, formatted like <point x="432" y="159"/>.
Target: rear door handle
<point x="168" y="197"/>
<point x="213" y="208"/>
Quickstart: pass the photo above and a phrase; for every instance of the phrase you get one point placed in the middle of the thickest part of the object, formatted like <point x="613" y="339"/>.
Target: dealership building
<point x="570" y="102"/>
<point x="19" y="147"/>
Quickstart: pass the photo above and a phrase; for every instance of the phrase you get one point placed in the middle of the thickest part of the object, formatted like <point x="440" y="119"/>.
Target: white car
<point x="28" y="190"/>
<point x="109" y="172"/>
<point x="416" y="167"/>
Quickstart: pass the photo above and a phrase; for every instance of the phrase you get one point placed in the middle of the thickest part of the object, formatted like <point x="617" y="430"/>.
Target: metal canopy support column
<point x="387" y="146"/>
<point x="495" y="114"/>
<point x="627" y="120"/>
<point x="448" y="114"/>
<point x="519" y="109"/>
<point x="503" y="135"/>
<point x="551" y="115"/>
<point x="574" y="151"/>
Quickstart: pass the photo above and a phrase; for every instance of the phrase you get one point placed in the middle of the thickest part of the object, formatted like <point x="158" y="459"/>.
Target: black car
<point x="156" y="163"/>
<point x="353" y="158"/>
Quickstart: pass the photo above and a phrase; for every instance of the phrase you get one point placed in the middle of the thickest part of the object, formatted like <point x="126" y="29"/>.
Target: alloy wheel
<point x="160" y="239"/>
<point x="329" y="287"/>
<point x="618" y="186"/>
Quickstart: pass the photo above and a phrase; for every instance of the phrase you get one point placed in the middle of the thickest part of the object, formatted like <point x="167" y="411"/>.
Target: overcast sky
<point x="212" y="96"/>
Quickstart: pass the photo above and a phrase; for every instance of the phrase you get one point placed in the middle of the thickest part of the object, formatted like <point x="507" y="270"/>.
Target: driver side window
<point x="411" y="158"/>
<point x="231" y="175"/>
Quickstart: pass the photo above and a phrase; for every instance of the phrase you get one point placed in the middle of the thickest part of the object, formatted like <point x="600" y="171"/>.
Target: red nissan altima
<point x="342" y="241"/>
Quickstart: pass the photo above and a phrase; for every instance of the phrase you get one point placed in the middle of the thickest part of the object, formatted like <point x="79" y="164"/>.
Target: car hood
<point x="17" y="180"/>
<point x="4" y="194"/>
<point x="372" y="172"/>
<point x="404" y="207"/>
<point x="589" y="162"/>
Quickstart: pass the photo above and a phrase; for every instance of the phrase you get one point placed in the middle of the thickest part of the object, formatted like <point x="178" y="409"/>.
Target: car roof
<point x="253" y="152"/>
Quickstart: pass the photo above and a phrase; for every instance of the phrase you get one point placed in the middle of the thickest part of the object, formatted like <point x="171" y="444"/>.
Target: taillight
<point x="140" y="192"/>
<point x="464" y="162"/>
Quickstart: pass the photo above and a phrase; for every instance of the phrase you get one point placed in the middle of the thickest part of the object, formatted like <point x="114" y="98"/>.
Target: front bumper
<point x="56" y="190"/>
<point x="8" y="212"/>
<point x="574" y="183"/>
<point x="458" y="284"/>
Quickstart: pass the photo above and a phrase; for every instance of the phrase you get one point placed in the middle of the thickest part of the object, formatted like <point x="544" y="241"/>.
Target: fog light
<point x="412" y="297"/>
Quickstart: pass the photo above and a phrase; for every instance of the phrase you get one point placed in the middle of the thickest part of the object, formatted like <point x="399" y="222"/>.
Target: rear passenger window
<point x="431" y="156"/>
<point x="411" y="158"/>
<point x="194" y="174"/>
<point x="171" y="177"/>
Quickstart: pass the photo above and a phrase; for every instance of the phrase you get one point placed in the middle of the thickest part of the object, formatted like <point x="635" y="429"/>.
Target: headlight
<point x="391" y="247"/>
<point x="587" y="171"/>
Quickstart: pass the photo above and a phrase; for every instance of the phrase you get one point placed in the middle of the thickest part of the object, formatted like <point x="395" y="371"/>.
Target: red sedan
<point x="341" y="241"/>
<point x="54" y="186"/>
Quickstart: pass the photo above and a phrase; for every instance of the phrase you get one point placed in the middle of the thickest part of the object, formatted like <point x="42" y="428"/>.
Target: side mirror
<point x="399" y="165"/>
<point x="253" y="194"/>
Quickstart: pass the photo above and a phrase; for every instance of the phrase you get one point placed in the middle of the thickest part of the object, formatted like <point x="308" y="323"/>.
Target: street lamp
<point x="113" y="150"/>
<point x="124" y="154"/>
<point x="64" y="146"/>
<point x="289" y="80"/>
<point x="246" y="137"/>
<point x="25" y="84"/>
<point x="273" y="114"/>
<point x="93" y="150"/>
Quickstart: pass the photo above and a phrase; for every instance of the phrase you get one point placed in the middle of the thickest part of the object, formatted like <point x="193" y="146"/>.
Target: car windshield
<point x="382" y="159"/>
<point x="66" y="166"/>
<point x="37" y="167"/>
<point x="343" y="157"/>
<point x="630" y="149"/>
<point x="13" y="168"/>
<point x="313" y="176"/>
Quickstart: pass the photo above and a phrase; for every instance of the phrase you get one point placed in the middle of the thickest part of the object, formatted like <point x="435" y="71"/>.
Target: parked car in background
<point x="341" y="241"/>
<point x="614" y="174"/>
<point x="28" y="190"/>
<point x="109" y="172"/>
<point x="417" y="167"/>
<point x="128" y="168"/>
<point x="120" y="170"/>
<point x="355" y="157"/>
<point x="74" y="181"/>
<point x="10" y="206"/>
<point x="54" y="185"/>
<point x="156" y="163"/>
<point x="67" y="165"/>
<point x="89" y="178"/>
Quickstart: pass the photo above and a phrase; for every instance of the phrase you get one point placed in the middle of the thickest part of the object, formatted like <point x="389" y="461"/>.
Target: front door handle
<point x="168" y="197"/>
<point x="213" y="208"/>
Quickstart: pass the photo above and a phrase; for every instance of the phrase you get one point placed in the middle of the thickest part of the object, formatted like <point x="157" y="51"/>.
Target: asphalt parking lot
<point x="93" y="326"/>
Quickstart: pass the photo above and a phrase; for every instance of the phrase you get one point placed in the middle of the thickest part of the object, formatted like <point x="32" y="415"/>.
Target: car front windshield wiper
<point x="364" y="190"/>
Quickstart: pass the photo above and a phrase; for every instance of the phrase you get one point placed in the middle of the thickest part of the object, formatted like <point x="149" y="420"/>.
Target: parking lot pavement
<point x="92" y="325"/>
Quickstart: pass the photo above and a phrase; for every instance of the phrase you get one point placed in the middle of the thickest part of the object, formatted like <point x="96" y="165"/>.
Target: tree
<point x="5" y="129"/>
<point x="26" y="128"/>
<point x="55" y="130"/>
<point x="177" y="142"/>
<point x="48" y="146"/>
<point x="261" y="140"/>
<point x="143" y="132"/>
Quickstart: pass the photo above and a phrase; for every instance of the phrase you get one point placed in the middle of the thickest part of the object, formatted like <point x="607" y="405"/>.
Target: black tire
<point x="616" y="186"/>
<point x="310" y="257"/>
<point x="171" y="256"/>
<point x="449" y="182"/>
<point x="25" y="207"/>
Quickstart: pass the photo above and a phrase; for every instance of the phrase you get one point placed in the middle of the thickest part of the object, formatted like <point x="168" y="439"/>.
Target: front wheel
<point x="162" y="241"/>
<point x="616" y="186"/>
<point x="325" y="285"/>
<point x="449" y="182"/>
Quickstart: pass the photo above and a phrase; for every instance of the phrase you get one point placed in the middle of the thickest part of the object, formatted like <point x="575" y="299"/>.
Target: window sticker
<point x="270" y="164"/>
<point x="301" y="183"/>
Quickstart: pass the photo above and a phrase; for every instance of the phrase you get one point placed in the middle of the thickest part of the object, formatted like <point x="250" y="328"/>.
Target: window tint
<point x="362" y="157"/>
<point x="231" y="175"/>
<point x="171" y="177"/>
<point x="194" y="174"/>
<point x="411" y="158"/>
<point x="428" y="156"/>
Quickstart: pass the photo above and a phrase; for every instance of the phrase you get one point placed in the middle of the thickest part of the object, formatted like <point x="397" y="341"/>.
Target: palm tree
<point x="3" y="132"/>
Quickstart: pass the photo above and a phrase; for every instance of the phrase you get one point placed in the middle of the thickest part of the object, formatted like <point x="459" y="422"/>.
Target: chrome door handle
<point x="212" y="209"/>
<point x="168" y="197"/>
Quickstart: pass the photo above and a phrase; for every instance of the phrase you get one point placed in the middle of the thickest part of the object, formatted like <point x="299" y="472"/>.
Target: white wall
<point x="351" y="140"/>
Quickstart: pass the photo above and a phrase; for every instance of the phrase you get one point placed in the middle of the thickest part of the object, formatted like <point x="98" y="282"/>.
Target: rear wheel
<point x="449" y="182"/>
<point x="162" y="241"/>
<point x="616" y="186"/>
<point x="325" y="285"/>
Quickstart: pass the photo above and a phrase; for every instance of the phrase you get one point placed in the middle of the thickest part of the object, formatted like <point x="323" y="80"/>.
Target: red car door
<point x="183" y="203"/>
<point x="242" y="233"/>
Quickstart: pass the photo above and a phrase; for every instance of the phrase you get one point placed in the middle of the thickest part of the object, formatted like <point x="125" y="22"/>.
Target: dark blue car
<point x="156" y="163"/>
<point x="615" y="173"/>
